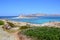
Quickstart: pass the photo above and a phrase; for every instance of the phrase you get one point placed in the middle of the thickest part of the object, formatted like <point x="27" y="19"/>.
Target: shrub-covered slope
<point x="43" y="33"/>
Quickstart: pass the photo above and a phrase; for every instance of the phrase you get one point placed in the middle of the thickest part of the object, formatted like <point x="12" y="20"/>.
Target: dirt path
<point x="7" y="36"/>
<point x="11" y="36"/>
<point x="16" y="35"/>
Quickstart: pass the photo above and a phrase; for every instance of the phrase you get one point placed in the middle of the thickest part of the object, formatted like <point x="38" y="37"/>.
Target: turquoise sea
<point x="38" y="20"/>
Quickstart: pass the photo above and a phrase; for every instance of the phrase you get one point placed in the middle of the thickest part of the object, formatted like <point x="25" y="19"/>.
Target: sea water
<point x="37" y="20"/>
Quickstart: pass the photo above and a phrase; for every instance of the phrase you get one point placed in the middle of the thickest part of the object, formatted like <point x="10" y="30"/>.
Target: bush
<point x="1" y="22"/>
<point x="24" y="27"/>
<point x="43" y="33"/>
<point x="11" y="24"/>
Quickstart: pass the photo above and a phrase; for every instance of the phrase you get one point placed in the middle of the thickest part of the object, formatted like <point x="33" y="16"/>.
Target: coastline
<point x="20" y="23"/>
<point x="15" y="34"/>
<point x="57" y="24"/>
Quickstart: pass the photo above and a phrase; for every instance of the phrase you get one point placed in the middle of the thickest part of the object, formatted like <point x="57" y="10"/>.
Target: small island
<point x="37" y="15"/>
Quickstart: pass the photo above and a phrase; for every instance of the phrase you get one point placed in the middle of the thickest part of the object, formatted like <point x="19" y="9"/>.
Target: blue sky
<point x="16" y="7"/>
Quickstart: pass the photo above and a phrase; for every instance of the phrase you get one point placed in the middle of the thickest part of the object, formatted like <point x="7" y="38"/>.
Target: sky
<point x="17" y="7"/>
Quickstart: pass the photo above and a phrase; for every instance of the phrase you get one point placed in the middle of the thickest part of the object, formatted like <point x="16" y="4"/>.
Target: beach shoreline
<point x="31" y="24"/>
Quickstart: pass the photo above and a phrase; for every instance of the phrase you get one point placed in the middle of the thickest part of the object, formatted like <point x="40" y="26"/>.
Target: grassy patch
<point x="24" y="27"/>
<point x="11" y="24"/>
<point x="43" y="33"/>
<point x="1" y="22"/>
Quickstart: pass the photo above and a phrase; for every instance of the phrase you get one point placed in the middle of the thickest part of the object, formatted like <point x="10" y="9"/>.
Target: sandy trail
<point x="16" y="35"/>
<point x="7" y="36"/>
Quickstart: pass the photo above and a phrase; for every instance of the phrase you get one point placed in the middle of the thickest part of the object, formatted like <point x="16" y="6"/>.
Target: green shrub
<point x="1" y="22"/>
<point x="11" y="24"/>
<point x="24" y="27"/>
<point x="43" y="33"/>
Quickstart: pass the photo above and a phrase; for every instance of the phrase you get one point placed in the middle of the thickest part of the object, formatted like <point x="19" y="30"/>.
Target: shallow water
<point x="38" y="20"/>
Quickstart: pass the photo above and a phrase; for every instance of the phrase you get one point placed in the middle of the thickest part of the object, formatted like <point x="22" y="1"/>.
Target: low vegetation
<point x="11" y="24"/>
<point x="24" y="27"/>
<point x="43" y="33"/>
<point x="1" y="22"/>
